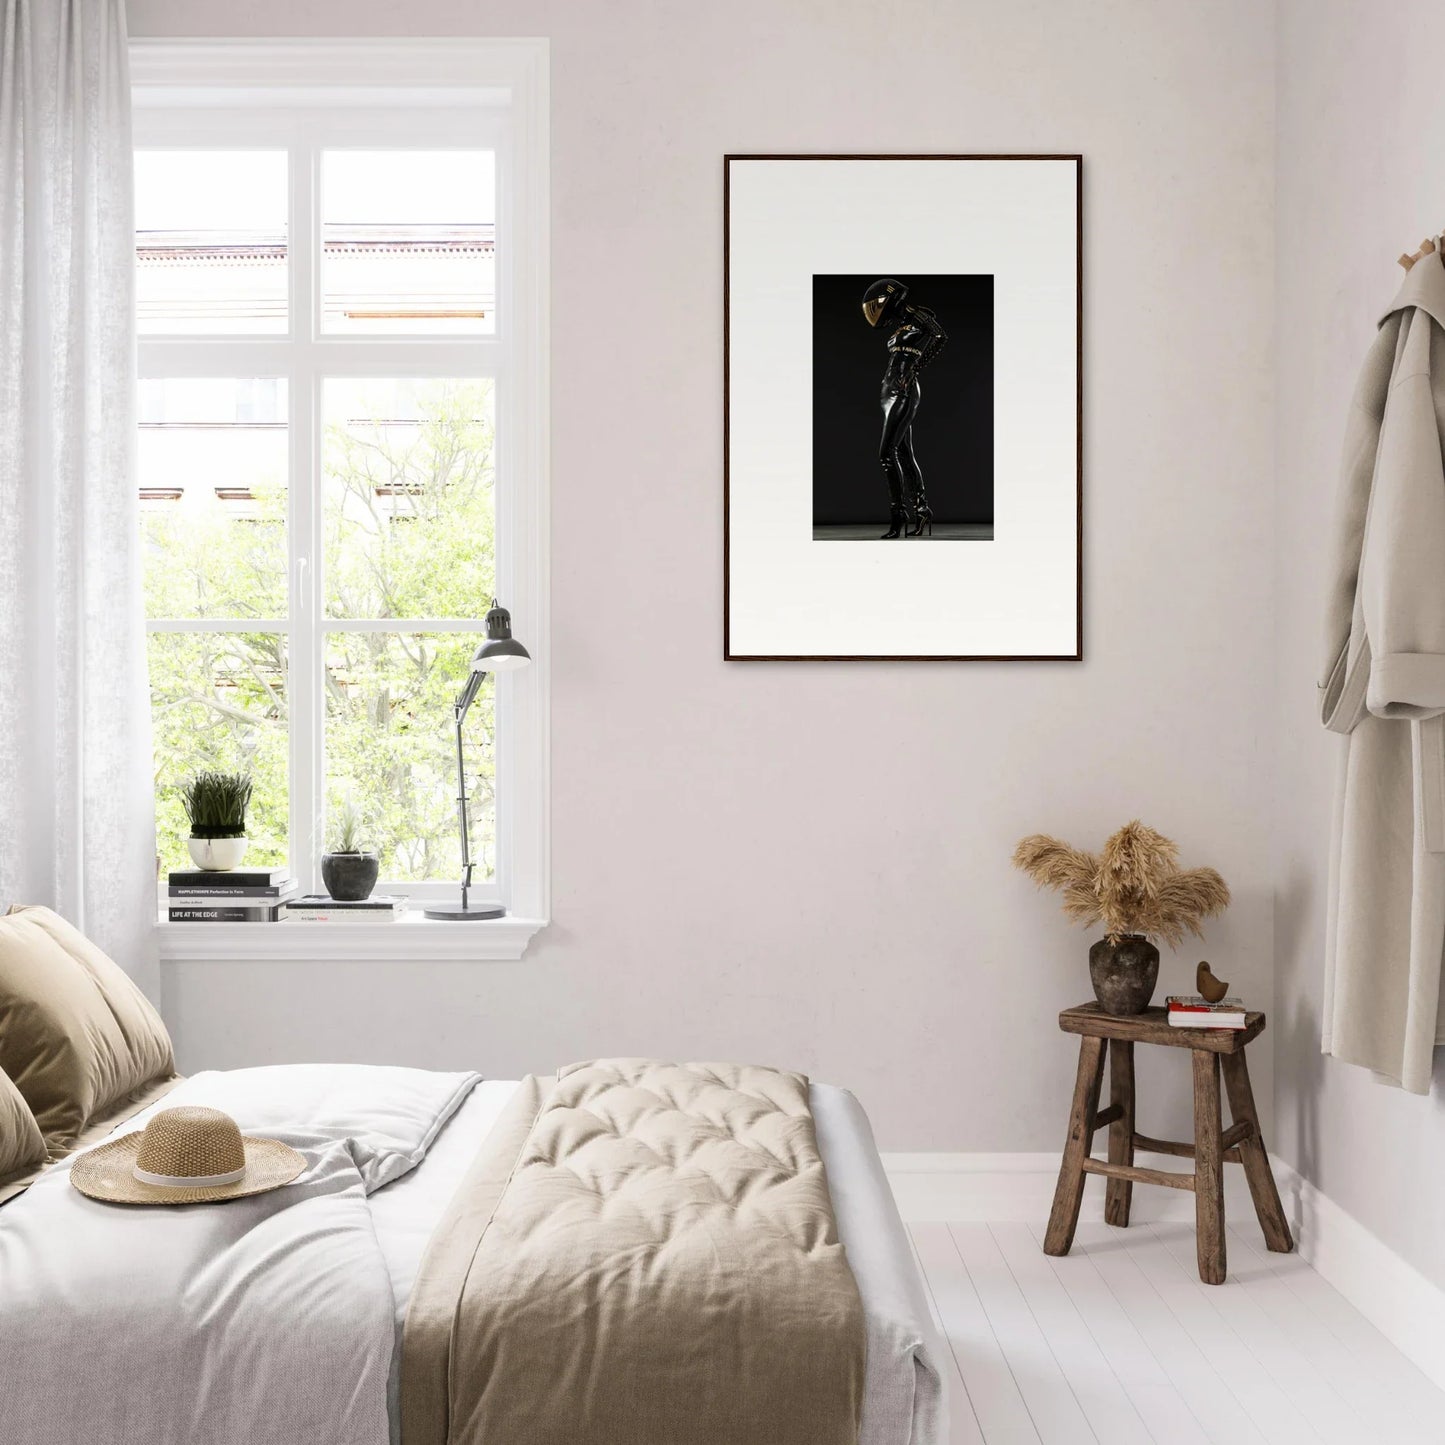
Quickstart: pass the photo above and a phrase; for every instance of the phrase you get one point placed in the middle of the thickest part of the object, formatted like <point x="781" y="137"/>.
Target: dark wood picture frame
<point x="1078" y="654"/>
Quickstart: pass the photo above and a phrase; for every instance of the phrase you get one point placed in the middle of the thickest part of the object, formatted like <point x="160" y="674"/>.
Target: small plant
<point x="350" y="869"/>
<point x="216" y="804"/>
<point x="347" y="833"/>
<point x="1134" y="885"/>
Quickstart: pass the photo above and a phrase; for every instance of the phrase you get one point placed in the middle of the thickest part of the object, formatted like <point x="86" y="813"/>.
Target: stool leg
<point x="1208" y="1169"/>
<point x="1119" y="1193"/>
<point x="1069" y="1194"/>
<point x="1255" y="1158"/>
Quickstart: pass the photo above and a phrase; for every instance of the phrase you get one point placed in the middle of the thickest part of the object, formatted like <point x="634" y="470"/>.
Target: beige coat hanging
<point x="1384" y="686"/>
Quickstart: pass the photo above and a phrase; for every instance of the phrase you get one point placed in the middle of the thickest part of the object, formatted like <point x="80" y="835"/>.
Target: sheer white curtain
<point x="75" y="763"/>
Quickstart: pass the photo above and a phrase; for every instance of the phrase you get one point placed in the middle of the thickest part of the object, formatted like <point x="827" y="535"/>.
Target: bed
<point x="92" y="1336"/>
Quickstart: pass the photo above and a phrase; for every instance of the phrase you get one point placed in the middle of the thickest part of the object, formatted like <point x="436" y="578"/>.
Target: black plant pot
<point x="1124" y="973"/>
<point x="350" y="877"/>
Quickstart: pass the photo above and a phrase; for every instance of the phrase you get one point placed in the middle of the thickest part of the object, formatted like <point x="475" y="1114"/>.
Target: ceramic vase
<point x="1124" y="973"/>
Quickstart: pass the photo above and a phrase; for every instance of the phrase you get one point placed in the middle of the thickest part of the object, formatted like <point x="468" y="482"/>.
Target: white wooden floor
<point x="1120" y="1343"/>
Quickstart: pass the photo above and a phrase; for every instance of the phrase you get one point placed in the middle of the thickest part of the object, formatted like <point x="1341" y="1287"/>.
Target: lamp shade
<point x="500" y="652"/>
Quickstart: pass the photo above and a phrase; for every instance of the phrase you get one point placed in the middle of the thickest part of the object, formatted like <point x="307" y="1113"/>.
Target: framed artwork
<point x="902" y="408"/>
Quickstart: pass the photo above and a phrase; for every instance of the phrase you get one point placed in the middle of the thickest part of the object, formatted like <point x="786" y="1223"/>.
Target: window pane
<point x="408" y="502"/>
<point x="210" y="242"/>
<point x="213" y="496"/>
<point x="218" y="700"/>
<point x="408" y="242"/>
<point x="391" y="749"/>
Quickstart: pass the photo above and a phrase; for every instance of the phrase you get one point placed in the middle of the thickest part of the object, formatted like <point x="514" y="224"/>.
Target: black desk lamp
<point x="501" y="652"/>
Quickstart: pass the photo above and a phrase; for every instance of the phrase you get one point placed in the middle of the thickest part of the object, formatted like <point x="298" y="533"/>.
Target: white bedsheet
<point x="903" y="1401"/>
<point x="262" y="1321"/>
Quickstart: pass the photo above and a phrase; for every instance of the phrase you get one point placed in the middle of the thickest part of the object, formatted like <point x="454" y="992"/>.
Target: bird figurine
<point x="1209" y="987"/>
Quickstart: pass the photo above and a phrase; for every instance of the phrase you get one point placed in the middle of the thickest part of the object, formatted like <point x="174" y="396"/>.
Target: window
<point x="342" y="445"/>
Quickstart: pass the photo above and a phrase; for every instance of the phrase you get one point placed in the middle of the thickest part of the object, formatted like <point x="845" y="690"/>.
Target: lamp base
<point x="460" y="913"/>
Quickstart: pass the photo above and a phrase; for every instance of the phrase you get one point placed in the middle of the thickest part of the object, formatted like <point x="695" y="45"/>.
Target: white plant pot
<point x="216" y="855"/>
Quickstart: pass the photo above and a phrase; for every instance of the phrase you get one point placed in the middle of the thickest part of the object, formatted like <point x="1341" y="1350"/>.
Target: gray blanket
<point x="644" y="1253"/>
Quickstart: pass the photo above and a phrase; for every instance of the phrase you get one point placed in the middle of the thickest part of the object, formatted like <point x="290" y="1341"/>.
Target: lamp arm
<point x="468" y="694"/>
<point x="460" y="707"/>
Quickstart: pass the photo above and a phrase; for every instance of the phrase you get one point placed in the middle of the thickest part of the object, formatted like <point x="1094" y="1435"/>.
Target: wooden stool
<point x="1212" y="1147"/>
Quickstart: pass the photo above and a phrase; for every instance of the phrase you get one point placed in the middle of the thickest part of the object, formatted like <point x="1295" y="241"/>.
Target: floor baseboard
<point x="1407" y="1308"/>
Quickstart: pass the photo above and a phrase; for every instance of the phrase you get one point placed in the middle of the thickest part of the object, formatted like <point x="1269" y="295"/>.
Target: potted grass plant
<point x="216" y="805"/>
<point x="350" y="869"/>
<point x="1136" y="889"/>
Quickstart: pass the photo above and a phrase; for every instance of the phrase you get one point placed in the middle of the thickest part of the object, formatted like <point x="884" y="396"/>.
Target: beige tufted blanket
<point x="643" y="1254"/>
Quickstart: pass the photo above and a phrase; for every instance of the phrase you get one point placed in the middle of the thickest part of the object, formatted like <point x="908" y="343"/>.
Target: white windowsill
<point x="410" y="937"/>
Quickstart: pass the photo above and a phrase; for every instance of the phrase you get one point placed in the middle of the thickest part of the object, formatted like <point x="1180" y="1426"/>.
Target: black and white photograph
<point x="902" y="408"/>
<point x="903" y="368"/>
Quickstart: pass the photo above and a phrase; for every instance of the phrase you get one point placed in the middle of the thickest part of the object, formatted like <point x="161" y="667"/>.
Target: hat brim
<point x="107" y="1173"/>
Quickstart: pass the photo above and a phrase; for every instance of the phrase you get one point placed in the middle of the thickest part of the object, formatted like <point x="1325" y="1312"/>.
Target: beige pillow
<point x="22" y="1149"/>
<point x="76" y="1035"/>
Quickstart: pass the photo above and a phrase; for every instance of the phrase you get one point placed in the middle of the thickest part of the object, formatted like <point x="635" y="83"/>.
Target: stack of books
<point x="252" y="895"/>
<point x="1193" y="1011"/>
<point x="318" y="908"/>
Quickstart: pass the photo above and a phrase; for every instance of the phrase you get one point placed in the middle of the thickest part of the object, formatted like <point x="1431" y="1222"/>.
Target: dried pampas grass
<point x="1070" y="871"/>
<point x="1134" y="885"/>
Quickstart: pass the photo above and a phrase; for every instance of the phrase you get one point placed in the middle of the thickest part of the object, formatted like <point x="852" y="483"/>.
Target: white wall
<point x="1361" y="178"/>
<point x="808" y="864"/>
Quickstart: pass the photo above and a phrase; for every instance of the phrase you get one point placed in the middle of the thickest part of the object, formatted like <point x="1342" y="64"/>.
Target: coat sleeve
<point x="1402" y="566"/>
<point x="936" y="337"/>
<point x="1344" y="674"/>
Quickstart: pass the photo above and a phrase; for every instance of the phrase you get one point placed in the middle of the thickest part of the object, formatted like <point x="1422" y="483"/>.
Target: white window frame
<point x="304" y="96"/>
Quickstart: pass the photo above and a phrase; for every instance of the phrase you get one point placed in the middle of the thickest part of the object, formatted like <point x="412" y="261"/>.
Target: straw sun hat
<point x="186" y="1155"/>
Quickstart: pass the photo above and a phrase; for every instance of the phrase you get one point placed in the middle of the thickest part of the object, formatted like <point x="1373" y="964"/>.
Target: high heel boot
<point x="897" y="522"/>
<point x="922" y="519"/>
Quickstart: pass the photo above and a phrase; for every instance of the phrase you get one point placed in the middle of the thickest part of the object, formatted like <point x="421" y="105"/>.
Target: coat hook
<point x="1427" y="248"/>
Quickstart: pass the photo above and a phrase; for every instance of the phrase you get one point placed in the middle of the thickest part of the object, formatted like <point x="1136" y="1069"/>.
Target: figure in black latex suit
<point x="914" y="339"/>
